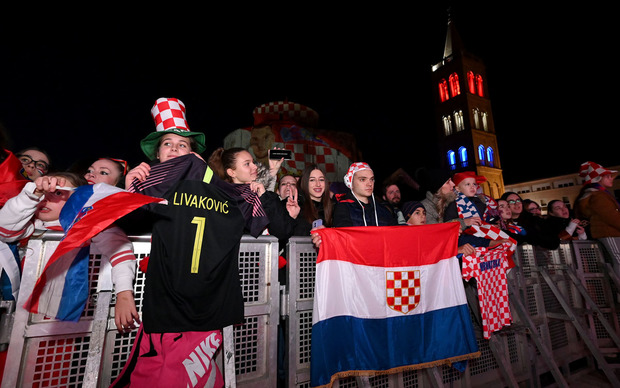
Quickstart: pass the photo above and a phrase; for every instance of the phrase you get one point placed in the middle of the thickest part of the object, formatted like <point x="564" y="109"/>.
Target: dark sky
<point x="87" y="92"/>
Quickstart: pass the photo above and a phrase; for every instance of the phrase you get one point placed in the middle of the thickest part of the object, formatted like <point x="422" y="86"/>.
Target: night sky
<point x="81" y="94"/>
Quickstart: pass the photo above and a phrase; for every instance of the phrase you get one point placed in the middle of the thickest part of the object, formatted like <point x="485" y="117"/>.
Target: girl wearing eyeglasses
<point x="35" y="162"/>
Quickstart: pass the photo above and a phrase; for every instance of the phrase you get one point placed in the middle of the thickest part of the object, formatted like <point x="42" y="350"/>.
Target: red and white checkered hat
<point x="169" y="116"/>
<point x="592" y="172"/>
<point x="355" y="167"/>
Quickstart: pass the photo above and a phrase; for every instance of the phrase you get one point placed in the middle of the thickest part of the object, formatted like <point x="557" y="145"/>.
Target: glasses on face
<point x="38" y="164"/>
<point x="513" y="201"/>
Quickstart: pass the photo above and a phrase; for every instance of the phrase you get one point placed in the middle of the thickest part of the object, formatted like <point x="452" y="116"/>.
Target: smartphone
<point x="279" y="154"/>
<point x="317" y="223"/>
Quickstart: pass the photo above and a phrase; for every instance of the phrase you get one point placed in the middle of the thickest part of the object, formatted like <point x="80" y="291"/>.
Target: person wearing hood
<point x="358" y="207"/>
<point x="597" y="204"/>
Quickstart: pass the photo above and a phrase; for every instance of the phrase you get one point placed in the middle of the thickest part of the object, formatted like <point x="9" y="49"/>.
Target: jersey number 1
<point x="200" y="229"/>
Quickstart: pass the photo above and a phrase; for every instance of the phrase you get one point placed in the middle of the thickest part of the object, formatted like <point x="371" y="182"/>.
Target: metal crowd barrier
<point x="91" y="353"/>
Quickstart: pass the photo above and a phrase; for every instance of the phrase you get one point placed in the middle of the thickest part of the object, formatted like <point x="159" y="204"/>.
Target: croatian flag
<point x="62" y="289"/>
<point x="388" y="299"/>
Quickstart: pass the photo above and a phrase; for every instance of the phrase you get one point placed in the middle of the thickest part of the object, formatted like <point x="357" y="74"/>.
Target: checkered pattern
<point x="282" y="110"/>
<point x="489" y="267"/>
<point x="304" y="154"/>
<point x="592" y="172"/>
<point x="355" y="167"/>
<point x="402" y="290"/>
<point x="465" y="207"/>
<point x="169" y="114"/>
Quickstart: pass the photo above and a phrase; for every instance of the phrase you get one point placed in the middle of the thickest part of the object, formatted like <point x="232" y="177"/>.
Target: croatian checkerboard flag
<point x="61" y="290"/>
<point x="388" y="299"/>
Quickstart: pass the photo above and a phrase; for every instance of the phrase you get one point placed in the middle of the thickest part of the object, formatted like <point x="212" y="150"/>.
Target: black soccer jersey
<point x="192" y="282"/>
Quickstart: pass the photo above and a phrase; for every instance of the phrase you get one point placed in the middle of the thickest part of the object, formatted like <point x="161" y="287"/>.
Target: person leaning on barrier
<point x="537" y="231"/>
<point x="597" y="203"/>
<point x="561" y="222"/>
<point x="37" y="209"/>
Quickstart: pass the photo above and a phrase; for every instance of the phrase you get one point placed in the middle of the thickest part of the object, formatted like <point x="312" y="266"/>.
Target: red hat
<point x="459" y="176"/>
<point x="592" y="172"/>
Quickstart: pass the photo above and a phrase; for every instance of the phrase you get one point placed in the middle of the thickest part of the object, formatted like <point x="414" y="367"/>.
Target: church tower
<point x="464" y="120"/>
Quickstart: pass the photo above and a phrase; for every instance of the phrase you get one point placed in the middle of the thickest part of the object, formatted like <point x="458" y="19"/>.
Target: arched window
<point x="485" y="123"/>
<point x="455" y="88"/>
<point x="490" y="157"/>
<point x="451" y="160"/>
<point x="443" y="90"/>
<point x="463" y="156"/>
<point x="476" y="118"/>
<point x="471" y="82"/>
<point x="481" y="153"/>
<point x="458" y="119"/>
<point x="479" y="85"/>
<point x="447" y="125"/>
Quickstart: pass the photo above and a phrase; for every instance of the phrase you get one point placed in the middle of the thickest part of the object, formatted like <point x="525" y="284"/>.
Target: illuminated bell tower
<point x="465" y="127"/>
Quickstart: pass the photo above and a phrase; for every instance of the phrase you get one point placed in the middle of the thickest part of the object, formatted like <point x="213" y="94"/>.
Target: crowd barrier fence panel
<point x="91" y="353"/>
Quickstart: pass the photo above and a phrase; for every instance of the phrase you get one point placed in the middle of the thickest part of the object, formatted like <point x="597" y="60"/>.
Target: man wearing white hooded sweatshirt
<point x="358" y="207"/>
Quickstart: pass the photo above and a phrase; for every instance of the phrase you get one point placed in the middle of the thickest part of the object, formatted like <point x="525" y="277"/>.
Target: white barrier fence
<point x="556" y="320"/>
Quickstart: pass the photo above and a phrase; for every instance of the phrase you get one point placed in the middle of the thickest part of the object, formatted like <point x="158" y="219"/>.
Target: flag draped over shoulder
<point x="62" y="288"/>
<point x="387" y="299"/>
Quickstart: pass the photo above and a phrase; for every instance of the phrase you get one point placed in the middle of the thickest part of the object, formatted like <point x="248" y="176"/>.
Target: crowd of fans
<point x="33" y="193"/>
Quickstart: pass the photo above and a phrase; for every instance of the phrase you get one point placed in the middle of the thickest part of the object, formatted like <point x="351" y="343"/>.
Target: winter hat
<point x="460" y="176"/>
<point x="355" y="167"/>
<point x="409" y="207"/>
<point x="592" y="172"/>
<point x="169" y="116"/>
<point x="431" y="180"/>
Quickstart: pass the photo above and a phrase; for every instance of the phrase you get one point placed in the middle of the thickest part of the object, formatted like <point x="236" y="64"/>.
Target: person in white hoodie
<point x="36" y="209"/>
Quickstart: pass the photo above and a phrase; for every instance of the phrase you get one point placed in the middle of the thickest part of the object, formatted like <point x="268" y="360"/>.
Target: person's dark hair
<point x="310" y="211"/>
<point x="222" y="159"/>
<point x="36" y="149"/>
<point x="75" y="179"/>
<point x="507" y="193"/>
<point x="387" y="184"/>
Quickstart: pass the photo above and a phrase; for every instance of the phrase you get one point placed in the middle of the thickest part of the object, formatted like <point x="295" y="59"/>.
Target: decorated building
<point x="292" y="126"/>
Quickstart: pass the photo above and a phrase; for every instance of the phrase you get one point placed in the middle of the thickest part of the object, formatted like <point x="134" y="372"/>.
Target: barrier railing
<point x="91" y="353"/>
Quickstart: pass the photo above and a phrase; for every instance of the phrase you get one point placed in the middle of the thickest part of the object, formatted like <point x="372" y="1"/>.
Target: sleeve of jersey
<point x="115" y="246"/>
<point x="16" y="215"/>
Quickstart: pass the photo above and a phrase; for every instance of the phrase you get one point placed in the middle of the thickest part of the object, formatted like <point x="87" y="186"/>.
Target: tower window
<point x="451" y="160"/>
<point x="447" y="125"/>
<point x="485" y="122"/>
<point x="481" y="154"/>
<point x="443" y="90"/>
<point x="471" y="82"/>
<point x="463" y="156"/>
<point x="490" y="157"/>
<point x="476" y="118"/>
<point x="479" y="85"/>
<point x="458" y="119"/>
<point x="455" y="88"/>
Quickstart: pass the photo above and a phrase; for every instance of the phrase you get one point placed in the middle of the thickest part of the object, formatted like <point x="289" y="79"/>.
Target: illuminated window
<point x="458" y="119"/>
<point x="447" y="125"/>
<point x="490" y="157"/>
<point x="471" y="82"/>
<point x="485" y="123"/>
<point x="451" y="160"/>
<point x="481" y="154"/>
<point x="463" y="156"/>
<point x="479" y="85"/>
<point x="476" y="118"/>
<point x="455" y="88"/>
<point x="443" y="90"/>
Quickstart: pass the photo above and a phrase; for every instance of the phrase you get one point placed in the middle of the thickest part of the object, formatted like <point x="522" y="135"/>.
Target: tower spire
<point x="453" y="43"/>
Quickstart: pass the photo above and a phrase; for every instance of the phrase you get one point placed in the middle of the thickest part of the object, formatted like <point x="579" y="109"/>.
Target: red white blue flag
<point x="61" y="290"/>
<point x="388" y="299"/>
